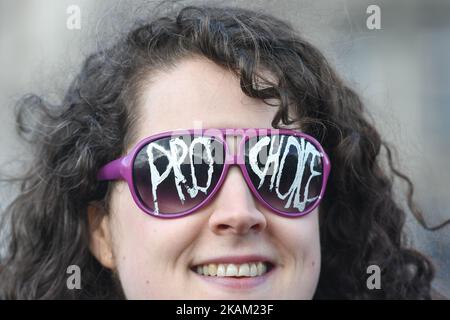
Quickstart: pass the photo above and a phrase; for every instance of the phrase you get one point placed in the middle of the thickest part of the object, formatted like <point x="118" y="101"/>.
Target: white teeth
<point x="232" y="270"/>
<point x="261" y="268"/>
<point x="206" y="270"/>
<point x="253" y="270"/>
<point x="212" y="269"/>
<point x="199" y="269"/>
<point x="244" y="270"/>
<point x="221" y="270"/>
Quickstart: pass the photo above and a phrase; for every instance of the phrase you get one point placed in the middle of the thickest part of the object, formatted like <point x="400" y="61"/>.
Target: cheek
<point x="148" y="250"/>
<point x="300" y="241"/>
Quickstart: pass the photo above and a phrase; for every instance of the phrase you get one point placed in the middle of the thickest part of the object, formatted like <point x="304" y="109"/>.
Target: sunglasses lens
<point x="287" y="171"/>
<point x="175" y="174"/>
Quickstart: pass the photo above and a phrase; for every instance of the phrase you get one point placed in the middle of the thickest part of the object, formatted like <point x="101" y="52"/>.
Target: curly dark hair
<point x="360" y="221"/>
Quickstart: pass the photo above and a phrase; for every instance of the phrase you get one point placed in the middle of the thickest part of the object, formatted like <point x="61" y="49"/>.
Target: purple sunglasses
<point x="175" y="173"/>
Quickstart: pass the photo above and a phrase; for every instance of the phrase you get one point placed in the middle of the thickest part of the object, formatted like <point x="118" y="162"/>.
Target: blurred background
<point x="401" y="70"/>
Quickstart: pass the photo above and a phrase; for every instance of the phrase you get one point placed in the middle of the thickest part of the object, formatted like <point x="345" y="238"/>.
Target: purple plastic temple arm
<point x="112" y="170"/>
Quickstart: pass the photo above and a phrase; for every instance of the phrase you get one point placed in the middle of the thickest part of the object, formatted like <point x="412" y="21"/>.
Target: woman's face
<point x="154" y="258"/>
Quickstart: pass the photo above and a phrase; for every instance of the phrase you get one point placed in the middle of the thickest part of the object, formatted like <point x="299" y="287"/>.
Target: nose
<point x="234" y="209"/>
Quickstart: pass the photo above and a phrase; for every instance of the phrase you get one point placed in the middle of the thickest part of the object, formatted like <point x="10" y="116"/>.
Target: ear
<point x="100" y="242"/>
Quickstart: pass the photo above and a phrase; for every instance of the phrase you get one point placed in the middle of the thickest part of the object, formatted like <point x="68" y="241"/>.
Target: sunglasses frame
<point x="122" y="168"/>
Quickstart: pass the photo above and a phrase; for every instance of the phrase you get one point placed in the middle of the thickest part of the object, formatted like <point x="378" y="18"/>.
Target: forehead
<point x="197" y="93"/>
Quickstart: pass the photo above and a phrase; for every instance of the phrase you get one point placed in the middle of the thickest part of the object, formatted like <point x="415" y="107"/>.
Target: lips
<point x="236" y="272"/>
<point x="234" y="266"/>
<point x="252" y="269"/>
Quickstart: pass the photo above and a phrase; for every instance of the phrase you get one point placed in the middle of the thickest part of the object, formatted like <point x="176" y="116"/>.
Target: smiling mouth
<point x="232" y="270"/>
